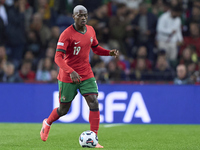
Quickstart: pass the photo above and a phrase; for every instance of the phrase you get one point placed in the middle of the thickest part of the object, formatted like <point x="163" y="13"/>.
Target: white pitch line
<point x="112" y="125"/>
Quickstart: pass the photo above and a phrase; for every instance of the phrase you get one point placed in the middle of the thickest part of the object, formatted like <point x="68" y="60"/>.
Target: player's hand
<point x="114" y="52"/>
<point x="76" y="78"/>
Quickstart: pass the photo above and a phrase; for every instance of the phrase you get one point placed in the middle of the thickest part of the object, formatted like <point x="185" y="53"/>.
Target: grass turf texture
<point x="121" y="137"/>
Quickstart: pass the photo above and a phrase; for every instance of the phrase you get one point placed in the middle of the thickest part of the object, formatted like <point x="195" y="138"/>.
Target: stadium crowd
<point x="158" y="40"/>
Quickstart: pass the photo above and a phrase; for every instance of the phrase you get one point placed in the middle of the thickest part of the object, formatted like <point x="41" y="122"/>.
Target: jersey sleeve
<point x="101" y="51"/>
<point x="61" y="63"/>
<point x="95" y="42"/>
<point x="63" y="42"/>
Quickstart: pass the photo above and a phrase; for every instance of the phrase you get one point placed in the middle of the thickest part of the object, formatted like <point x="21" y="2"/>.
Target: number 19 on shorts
<point x="76" y="50"/>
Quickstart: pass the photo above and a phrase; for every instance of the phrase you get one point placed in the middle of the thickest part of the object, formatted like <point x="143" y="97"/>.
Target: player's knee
<point x="94" y="103"/>
<point x="63" y="110"/>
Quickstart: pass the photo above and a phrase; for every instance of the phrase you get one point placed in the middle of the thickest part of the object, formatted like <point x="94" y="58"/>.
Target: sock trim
<point x="47" y="123"/>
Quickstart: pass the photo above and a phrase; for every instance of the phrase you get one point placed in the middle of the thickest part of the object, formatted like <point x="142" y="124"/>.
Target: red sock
<point x="53" y="116"/>
<point x="94" y="119"/>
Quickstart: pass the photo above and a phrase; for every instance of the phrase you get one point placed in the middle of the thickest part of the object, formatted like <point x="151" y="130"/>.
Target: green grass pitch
<point x="23" y="136"/>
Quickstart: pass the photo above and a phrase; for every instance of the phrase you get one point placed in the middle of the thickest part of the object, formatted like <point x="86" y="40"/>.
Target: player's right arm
<point x="61" y="49"/>
<point x="61" y="63"/>
<point x="62" y="46"/>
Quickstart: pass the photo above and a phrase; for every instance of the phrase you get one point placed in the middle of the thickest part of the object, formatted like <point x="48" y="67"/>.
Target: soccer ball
<point x="88" y="139"/>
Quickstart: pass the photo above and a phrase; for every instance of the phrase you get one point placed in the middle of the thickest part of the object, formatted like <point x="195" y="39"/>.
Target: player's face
<point x="80" y="18"/>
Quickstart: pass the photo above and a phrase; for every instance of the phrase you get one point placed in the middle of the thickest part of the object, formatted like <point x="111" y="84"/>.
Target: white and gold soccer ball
<point x="88" y="139"/>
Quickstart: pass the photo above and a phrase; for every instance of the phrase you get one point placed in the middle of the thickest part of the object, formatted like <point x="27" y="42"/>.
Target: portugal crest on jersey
<point x="91" y="40"/>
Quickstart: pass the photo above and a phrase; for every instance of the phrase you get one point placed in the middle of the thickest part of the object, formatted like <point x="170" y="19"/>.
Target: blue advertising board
<point x="118" y="103"/>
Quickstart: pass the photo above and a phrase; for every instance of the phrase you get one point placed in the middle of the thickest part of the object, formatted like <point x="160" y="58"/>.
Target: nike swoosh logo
<point x="77" y="42"/>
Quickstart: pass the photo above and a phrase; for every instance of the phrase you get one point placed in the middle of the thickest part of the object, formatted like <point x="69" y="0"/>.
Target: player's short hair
<point x="76" y="8"/>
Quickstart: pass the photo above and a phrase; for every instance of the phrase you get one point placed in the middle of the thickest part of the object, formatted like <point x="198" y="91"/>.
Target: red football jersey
<point x="76" y="46"/>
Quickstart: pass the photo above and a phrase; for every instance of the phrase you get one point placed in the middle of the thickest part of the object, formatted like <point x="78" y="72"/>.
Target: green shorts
<point x="68" y="91"/>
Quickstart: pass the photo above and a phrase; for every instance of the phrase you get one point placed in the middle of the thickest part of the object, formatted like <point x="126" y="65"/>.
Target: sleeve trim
<point x="61" y="50"/>
<point x="95" y="46"/>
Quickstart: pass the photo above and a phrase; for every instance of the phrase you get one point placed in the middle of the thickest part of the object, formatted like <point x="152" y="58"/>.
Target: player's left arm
<point x="104" y="52"/>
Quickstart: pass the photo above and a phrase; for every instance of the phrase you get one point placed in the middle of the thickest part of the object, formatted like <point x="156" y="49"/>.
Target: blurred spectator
<point x="132" y="4"/>
<point x="3" y="21"/>
<point x="193" y="39"/>
<point x="123" y="64"/>
<point x="99" y="69"/>
<point x="95" y="60"/>
<point x="195" y="17"/>
<point x="50" y="52"/>
<point x="10" y="75"/>
<point x="29" y="56"/>
<point x="159" y="7"/>
<point x="2" y="53"/>
<point x="175" y="2"/>
<point x="2" y="61"/>
<point x="162" y="70"/>
<point x="64" y="21"/>
<point x="63" y="6"/>
<point x="55" y="33"/>
<point x="140" y="72"/>
<point x="186" y="57"/>
<point x="9" y="2"/>
<point x="49" y="15"/>
<point x="15" y="30"/>
<point x="44" y="72"/>
<point x="40" y="29"/>
<point x="196" y="74"/>
<point x="101" y="73"/>
<point x="54" y="74"/>
<point x="117" y="27"/>
<point x="90" y="5"/>
<point x="120" y="62"/>
<point x="33" y="42"/>
<point x="3" y="12"/>
<point x="100" y="22"/>
<point x="196" y="3"/>
<point x="142" y="53"/>
<point x="169" y="32"/>
<point x="28" y="14"/>
<point x="182" y="77"/>
<point x="144" y="26"/>
<point x="2" y="32"/>
<point x="26" y="72"/>
<point x="191" y="68"/>
<point x="114" y="72"/>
